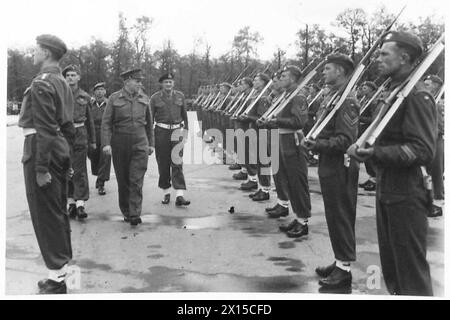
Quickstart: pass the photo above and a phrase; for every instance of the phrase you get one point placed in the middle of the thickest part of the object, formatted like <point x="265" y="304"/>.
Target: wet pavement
<point x="201" y="248"/>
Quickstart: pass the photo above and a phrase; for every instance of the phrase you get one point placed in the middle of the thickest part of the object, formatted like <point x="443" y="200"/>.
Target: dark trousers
<point x="79" y="184"/>
<point x="130" y="158"/>
<point x="339" y="185"/>
<point x="48" y="205"/>
<point x="437" y="170"/>
<point x="255" y="168"/>
<point x="100" y="163"/>
<point x="370" y="169"/>
<point x="169" y="172"/>
<point x="293" y="169"/>
<point x="402" y="238"/>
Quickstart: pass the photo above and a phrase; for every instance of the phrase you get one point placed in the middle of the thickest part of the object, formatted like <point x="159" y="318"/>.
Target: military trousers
<point x="292" y="175"/>
<point x="259" y="167"/>
<point x="339" y="186"/>
<point x="437" y="170"/>
<point x="130" y="159"/>
<point x="48" y="204"/>
<point x="100" y="162"/>
<point x="402" y="206"/>
<point x="170" y="172"/>
<point x="79" y="184"/>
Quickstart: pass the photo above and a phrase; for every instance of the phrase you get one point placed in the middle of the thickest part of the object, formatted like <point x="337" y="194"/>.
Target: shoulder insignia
<point x="351" y="115"/>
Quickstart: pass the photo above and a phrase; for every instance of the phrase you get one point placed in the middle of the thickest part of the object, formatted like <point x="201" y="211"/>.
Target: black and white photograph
<point x="229" y="148"/>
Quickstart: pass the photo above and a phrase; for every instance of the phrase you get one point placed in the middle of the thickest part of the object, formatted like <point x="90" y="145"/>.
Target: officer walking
<point x="84" y="135"/>
<point x="169" y="112"/>
<point x="402" y="199"/>
<point x="46" y="119"/>
<point x="100" y="162"/>
<point x="127" y="133"/>
<point x="338" y="176"/>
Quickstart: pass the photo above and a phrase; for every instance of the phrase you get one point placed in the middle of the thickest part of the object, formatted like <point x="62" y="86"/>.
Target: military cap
<point x="70" y="68"/>
<point x="406" y="38"/>
<point x="264" y="77"/>
<point x="226" y="84"/>
<point x="99" y="85"/>
<point x="435" y="79"/>
<point x="370" y="84"/>
<point x="53" y="43"/>
<point x="342" y="60"/>
<point x="135" y="73"/>
<point x="166" y="76"/>
<point x="294" y="70"/>
<point x="248" y="81"/>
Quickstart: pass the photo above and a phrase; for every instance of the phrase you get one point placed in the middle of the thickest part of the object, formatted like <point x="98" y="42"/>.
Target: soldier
<point x="402" y="199"/>
<point x="46" y="118"/>
<point x="433" y="83"/>
<point x="292" y="162"/>
<point x="84" y="135"/>
<point x="338" y="176"/>
<point x="368" y="89"/>
<point x="255" y="177"/>
<point x="169" y="112"/>
<point x="100" y="162"/>
<point x="127" y="133"/>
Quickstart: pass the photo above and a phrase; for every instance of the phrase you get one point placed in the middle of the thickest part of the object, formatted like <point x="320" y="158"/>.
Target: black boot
<point x="299" y="230"/>
<point x="166" y="199"/>
<point x="370" y="186"/>
<point x="435" y="212"/>
<point x="72" y="211"/>
<point x="261" y="196"/>
<point x="285" y="227"/>
<point x="235" y="166"/>
<point x="101" y="190"/>
<point x="278" y="212"/>
<point x="240" y="176"/>
<point x="249" y="185"/>
<point x="134" y="221"/>
<point x="180" y="201"/>
<point x="81" y="213"/>
<point x="339" y="281"/>
<point x="324" y="272"/>
<point x="48" y="286"/>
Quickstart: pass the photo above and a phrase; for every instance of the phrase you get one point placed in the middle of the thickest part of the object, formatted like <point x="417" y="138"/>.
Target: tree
<point x="353" y="21"/>
<point x="245" y="44"/>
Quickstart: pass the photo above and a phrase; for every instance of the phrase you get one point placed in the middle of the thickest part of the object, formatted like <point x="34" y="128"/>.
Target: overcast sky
<point x="76" y="22"/>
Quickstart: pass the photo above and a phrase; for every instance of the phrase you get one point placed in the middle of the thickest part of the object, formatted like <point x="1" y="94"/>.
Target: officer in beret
<point x="100" y="162"/>
<point x="84" y="139"/>
<point x="46" y="119"/>
<point x="293" y="170"/>
<point x="403" y="202"/>
<point x="368" y="89"/>
<point x="433" y="84"/>
<point x="169" y="112"/>
<point x="127" y="133"/>
<point x="338" y="176"/>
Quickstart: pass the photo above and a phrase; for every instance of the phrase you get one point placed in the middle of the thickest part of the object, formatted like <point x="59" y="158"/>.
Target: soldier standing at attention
<point x="127" y="133"/>
<point x="84" y="135"/>
<point x="169" y="112"/>
<point x="100" y="162"/>
<point x="338" y="176"/>
<point x="46" y="119"/>
<point x="403" y="202"/>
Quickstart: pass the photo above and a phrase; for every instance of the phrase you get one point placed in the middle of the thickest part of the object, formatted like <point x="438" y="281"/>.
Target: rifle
<point x="315" y="98"/>
<point x="252" y="105"/>
<point x="334" y="104"/>
<point x="240" y="74"/>
<point x="376" y="94"/>
<point x="239" y="109"/>
<point x="236" y="103"/>
<point x="392" y="103"/>
<point x="219" y="107"/>
<point x="440" y="93"/>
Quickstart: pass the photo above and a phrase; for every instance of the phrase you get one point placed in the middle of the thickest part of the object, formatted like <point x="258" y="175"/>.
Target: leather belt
<point x="168" y="126"/>
<point x="29" y="131"/>
<point x="298" y="134"/>
<point x="78" y="124"/>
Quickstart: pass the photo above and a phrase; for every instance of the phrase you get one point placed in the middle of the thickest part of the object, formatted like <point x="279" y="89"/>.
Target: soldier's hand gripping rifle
<point x="338" y="99"/>
<point x="389" y="106"/>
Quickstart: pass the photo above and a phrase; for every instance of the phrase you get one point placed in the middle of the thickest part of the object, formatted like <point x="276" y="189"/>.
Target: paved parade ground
<point x="200" y="248"/>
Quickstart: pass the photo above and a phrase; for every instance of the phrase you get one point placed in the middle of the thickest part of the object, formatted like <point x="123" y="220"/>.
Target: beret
<point x="135" y="73"/>
<point x="69" y="68"/>
<point x="248" y="81"/>
<point x="341" y="59"/>
<point x="99" y="85"/>
<point x="370" y="84"/>
<point x="405" y="38"/>
<point x="53" y="43"/>
<point x="226" y="84"/>
<point x="166" y="76"/>
<point x="435" y="79"/>
<point x="294" y="70"/>
<point x="264" y="77"/>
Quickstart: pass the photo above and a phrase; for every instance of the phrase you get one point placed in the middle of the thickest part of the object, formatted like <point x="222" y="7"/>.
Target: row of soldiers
<point x="63" y="125"/>
<point x="413" y="138"/>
